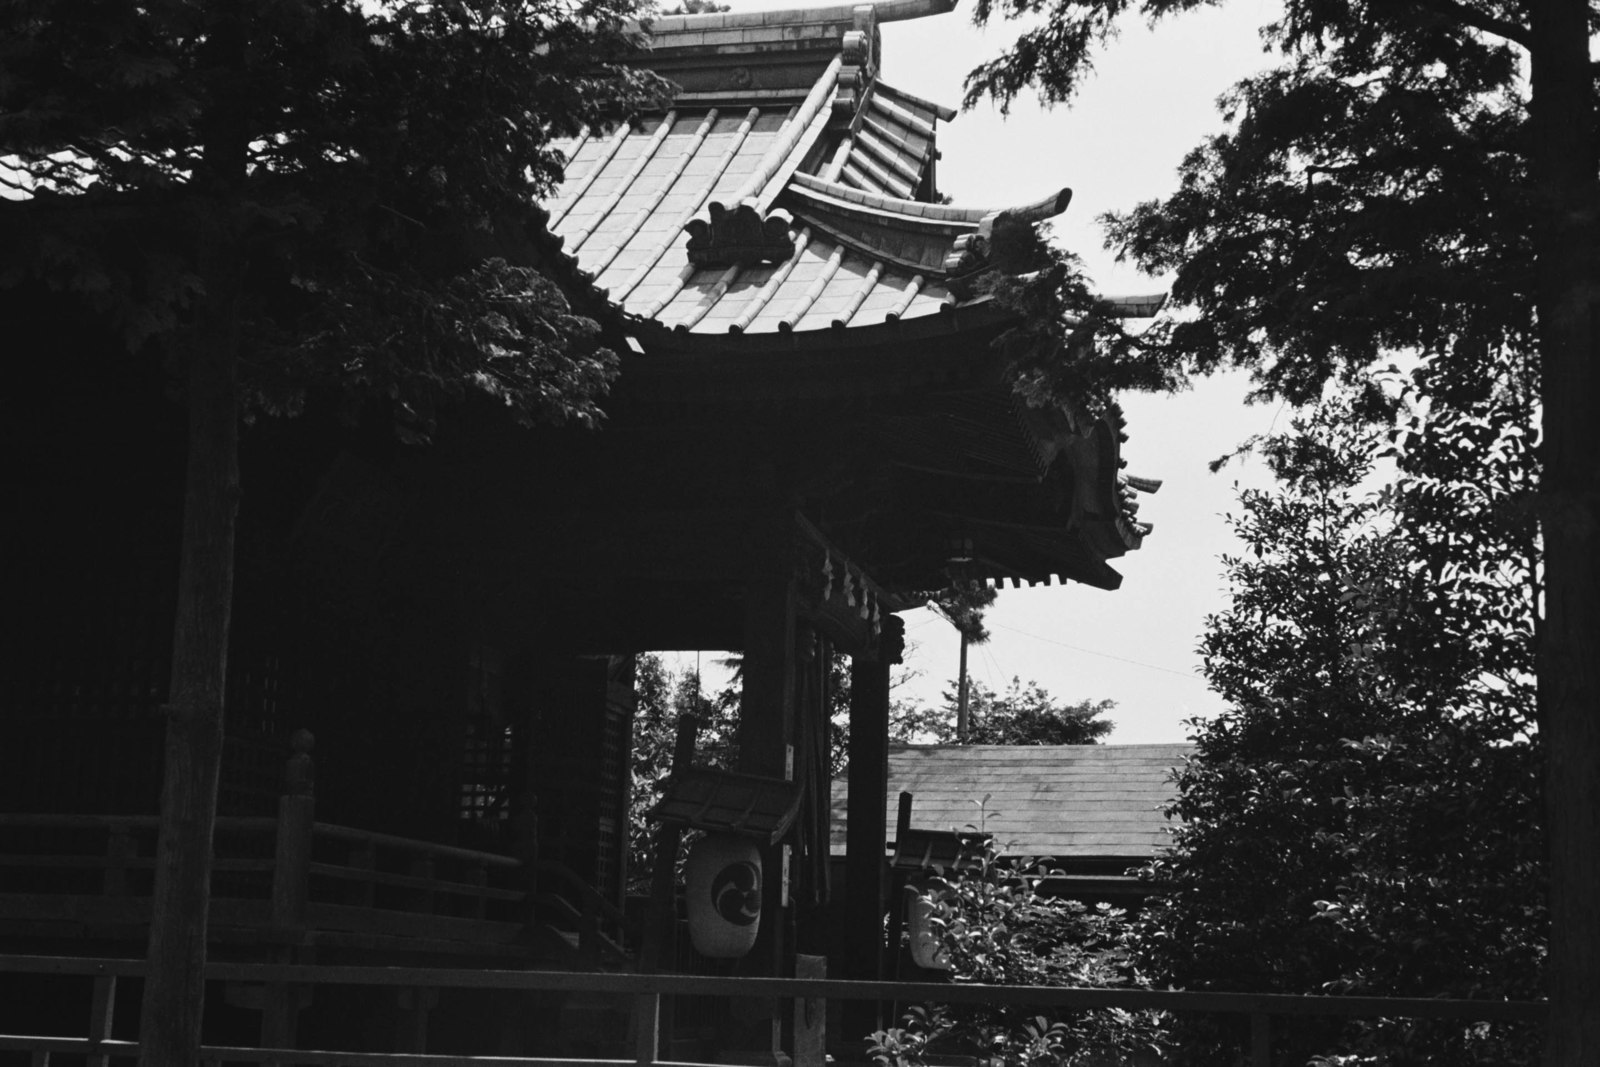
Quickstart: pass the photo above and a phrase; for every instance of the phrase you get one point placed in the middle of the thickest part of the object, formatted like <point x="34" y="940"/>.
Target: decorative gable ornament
<point x="986" y="248"/>
<point x="739" y="237"/>
<point x="858" y="54"/>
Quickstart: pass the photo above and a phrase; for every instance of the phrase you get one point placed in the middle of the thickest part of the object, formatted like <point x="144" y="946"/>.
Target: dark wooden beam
<point x="766" y="737"/>
<point x="866" y="830"/>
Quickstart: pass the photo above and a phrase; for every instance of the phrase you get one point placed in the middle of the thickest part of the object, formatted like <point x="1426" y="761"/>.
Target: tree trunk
<point x="174" y="994"/>
<point x="1563" y="112"/>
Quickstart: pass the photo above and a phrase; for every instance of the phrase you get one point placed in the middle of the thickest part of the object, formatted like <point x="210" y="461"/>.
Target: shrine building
<point x="813" y="429"/>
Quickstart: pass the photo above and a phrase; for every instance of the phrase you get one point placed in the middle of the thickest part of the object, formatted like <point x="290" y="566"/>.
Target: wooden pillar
<point x="866" y="833"/>
<point x="766" y="747"/>
<point x="291" y="882"/>
<point x="766" y="717"/>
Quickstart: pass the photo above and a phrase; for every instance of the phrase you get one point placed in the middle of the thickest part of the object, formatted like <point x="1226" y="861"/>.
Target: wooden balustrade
<point x="647" y="990"/>
<point x="292" y="875"/>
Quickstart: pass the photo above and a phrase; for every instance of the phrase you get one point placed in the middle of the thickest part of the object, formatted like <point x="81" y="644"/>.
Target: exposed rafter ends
<point x="1136" y="307"/>
<point x="1143" y="485"/>
<point x="665" y="26"/>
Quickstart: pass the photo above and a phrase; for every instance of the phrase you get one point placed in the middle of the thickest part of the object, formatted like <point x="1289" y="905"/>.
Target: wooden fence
<point x="67" y="875"/>
<point x="646" y="992"/>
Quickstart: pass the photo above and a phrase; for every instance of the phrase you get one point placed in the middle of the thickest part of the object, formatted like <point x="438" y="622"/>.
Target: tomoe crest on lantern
<point x="736" y="893"/>
<point x="723" y="889"/>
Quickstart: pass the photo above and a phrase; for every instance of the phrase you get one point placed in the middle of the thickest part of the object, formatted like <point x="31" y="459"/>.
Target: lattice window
<point x="486" y="763"/>
<point x="257" y="738"/>
<point x="615" y="776"/>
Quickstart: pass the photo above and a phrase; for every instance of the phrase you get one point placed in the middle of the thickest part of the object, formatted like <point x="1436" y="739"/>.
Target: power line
<point x="1103" y="655"/>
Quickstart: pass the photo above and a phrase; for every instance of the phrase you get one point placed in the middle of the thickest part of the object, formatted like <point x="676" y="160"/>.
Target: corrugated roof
<point x="1061" y="801"/>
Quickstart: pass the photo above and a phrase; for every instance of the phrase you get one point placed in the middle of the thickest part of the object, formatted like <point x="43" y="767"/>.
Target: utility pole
<point x="962" y="687"/>
<point x="961" y="693"/>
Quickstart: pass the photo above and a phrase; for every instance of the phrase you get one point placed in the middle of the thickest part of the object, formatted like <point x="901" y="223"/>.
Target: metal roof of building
<point x="1059" y="801"/>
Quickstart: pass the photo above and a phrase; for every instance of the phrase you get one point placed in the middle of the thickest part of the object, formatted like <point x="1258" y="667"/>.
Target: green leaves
<point x="1020" y="715"/>
<point x="997" y="929"/>
<point x="1365" y="817"/>
<point x="1370" y="196"/>
<point x="367" y="163"/>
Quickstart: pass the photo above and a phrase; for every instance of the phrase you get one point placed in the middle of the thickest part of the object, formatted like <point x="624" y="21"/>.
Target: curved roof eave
<point x="981" y="314"/>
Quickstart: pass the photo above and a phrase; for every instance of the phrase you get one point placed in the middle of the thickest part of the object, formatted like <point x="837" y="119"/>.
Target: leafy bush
<point x="996" y="929"/>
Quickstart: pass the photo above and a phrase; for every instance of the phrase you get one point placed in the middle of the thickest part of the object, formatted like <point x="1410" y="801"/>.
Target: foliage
<point x="698" y="7"/>
<point x="997" y="929"/>
<point x="1364" y="818"/>
<point x="1021" y="715"/>
<point x="664" y="701"/>
<point x="1370" y="195"/>
<point x="1413" y="177"/>
<point x="963" y="604"/>
<point x="362" y="164"/>
<point x="288" y="196"/>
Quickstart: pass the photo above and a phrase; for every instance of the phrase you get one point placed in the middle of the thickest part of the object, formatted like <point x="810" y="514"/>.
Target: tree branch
<point x="1515" y="32"/>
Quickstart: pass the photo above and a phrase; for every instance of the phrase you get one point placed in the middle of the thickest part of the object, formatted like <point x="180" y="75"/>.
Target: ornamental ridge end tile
<point x="739" y="236"/>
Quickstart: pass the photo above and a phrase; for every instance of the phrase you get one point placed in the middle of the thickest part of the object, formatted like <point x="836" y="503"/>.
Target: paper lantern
<point x="723" y="884"/>
<point x="927" y="946"/>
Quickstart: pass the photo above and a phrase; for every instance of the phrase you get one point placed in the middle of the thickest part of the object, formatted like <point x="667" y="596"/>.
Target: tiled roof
<point x="848" y="167"/>
<point x="788" y="202"/>
<point x="1061" y="801"/>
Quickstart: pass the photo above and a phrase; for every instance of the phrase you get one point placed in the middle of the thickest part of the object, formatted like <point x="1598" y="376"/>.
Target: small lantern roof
<point x="744" y="805"/>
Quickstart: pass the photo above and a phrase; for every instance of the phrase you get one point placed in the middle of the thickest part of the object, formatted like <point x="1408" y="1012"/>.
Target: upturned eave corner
<point x="1002" y="242"/>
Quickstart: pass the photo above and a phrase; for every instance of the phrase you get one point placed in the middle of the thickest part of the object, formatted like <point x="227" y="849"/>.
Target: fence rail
<point x="299" y="876"/>
<point x="647" y="990"/>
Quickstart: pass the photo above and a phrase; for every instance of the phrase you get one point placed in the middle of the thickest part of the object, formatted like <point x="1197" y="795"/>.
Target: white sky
<point x="1150" y="101"/>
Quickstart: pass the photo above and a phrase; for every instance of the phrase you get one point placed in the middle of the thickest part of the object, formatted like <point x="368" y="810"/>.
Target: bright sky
<point x="1151" y="100"/>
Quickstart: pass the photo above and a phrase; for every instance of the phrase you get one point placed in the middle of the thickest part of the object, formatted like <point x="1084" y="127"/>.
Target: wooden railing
<point x="646" y="992"/>
<point x="301" y="879"/>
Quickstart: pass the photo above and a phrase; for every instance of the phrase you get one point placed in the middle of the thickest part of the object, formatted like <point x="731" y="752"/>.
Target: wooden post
<point x="365" y="858"/>
<point x="647" y="1029"/>
<point x="415" y="1004"/>
<point x="1260" y="1040"/>
<point x="810" y="1016"/>
<point x="100" y="1015"/>
<point x="589" y="930"/>
<point x="291" y="872"/>
<point x="120" y="848"/>
<point x="291" y="887"/>
<point x="766" y="748"/>
<point x="478" y="875"/>
<point x="866" y="831"/>
<point x="525" y="835"/>
<point x="423" y="900"/>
